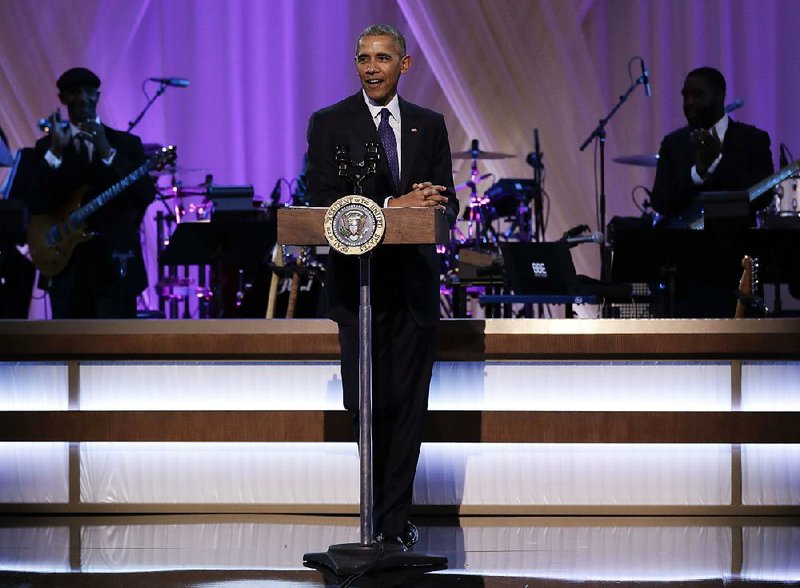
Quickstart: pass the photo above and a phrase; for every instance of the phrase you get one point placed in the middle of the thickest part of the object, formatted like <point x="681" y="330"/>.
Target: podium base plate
<point x="346" y="559"/>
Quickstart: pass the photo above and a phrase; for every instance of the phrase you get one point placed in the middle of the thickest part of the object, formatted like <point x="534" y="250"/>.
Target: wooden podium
<point x="403" y="226"/>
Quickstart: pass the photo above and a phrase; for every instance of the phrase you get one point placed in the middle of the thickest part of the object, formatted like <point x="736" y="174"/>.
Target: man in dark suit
<point x="76" y="162"/>
<point x="713" y="153"/>
<point x="415" y="169"/>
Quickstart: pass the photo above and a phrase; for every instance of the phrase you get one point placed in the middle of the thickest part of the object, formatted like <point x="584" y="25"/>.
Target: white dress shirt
<point x="394" y="122"/>
<point x="721" y="127"/>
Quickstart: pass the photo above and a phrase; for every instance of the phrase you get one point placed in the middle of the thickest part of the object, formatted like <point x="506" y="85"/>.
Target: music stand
<point x="727" y="210"/>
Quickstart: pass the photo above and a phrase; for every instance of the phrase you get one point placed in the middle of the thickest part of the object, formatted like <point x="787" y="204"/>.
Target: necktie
<point x="83" y="151"/>
<point x="390" y="146"/>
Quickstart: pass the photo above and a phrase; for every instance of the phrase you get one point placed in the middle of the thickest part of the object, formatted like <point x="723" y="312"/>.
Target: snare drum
<point x="788" y="197"/>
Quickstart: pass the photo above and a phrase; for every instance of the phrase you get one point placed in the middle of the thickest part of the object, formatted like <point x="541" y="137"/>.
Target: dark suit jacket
<point x="116" y="224"/>
<point x="401" y="274"/>
<point x="746" y="160"/>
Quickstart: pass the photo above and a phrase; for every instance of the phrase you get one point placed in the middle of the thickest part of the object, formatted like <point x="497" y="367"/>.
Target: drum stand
<point x="480" y="233"/>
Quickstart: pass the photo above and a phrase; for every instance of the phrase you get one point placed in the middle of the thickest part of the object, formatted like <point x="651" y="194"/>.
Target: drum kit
<point x="504" y="200"/>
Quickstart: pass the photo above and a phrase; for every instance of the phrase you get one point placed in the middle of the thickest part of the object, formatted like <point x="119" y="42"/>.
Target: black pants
<point x="402" y="364"/>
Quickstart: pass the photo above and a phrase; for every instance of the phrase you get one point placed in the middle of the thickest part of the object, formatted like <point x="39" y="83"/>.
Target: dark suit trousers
<point x="402" y="364"/>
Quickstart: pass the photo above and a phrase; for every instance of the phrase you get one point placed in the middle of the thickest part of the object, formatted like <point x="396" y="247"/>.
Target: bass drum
<point x="788" y="197"/>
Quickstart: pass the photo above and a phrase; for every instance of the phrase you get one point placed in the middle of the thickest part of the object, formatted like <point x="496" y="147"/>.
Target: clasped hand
<point x="422" y="194"/>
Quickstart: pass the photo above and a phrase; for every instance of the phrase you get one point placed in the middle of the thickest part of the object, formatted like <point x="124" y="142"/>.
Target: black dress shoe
<point x="410" y="534"/>
<point x="407" y="539"/>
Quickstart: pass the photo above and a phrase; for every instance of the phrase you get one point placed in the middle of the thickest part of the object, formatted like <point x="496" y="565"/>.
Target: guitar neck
<point x="85" y="211"/>
<point x="767" y="183"/>
<point x="755" y="191"/>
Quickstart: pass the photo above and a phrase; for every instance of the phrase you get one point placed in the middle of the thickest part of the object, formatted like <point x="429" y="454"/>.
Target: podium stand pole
<point x="365" y="401"/>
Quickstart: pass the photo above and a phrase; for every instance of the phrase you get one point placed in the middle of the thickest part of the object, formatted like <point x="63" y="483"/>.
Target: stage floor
<point x="267" y="550"/>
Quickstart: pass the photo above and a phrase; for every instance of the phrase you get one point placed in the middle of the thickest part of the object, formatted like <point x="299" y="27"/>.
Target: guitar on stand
<point x="53" y="237"/>
<point x="750" y="301"/>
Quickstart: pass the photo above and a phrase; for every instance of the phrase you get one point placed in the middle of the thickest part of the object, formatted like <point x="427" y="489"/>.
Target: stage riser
<point x="534" y="417"/>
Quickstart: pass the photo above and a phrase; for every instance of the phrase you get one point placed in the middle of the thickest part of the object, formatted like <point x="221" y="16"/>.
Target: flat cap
<point x="76" y="77"/>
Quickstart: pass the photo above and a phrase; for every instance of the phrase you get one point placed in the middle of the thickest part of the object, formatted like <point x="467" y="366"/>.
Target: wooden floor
<point x="225" y="550"/>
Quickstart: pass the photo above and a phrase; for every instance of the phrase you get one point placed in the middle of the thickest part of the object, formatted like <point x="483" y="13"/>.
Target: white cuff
<point x="386" y="202"/>
<point x="52" y="160"/>
<point x="698" y="181"/>
<point x="110" y="159"/>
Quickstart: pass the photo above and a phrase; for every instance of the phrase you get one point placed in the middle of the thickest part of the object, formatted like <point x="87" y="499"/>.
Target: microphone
<point x="174" y="82"/>
<point x="596" y="237"/>
<point x="645" y="80"/>
<point x="738" y="103"/>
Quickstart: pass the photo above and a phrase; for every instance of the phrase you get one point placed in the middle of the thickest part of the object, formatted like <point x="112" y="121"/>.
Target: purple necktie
<point x="390" y="146"/>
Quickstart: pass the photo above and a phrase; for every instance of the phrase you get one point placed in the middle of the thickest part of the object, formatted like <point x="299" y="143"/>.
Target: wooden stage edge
<point x="458" y="339"/>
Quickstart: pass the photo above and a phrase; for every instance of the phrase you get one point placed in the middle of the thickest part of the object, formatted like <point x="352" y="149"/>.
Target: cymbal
<point x="478" y="154"/>
<point x="647" y="160"/>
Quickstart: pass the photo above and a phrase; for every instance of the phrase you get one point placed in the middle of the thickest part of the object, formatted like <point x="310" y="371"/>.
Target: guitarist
<point x="712" y="153"/>
<point x="77" y="161"/>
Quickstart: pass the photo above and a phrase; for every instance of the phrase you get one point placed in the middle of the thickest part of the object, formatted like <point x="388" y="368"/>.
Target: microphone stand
<point x="161" y="89"/>
<point x="600" y="133"/>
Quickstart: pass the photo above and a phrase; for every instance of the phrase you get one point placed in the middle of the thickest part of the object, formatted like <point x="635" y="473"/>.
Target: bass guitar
<point x="53" y="237"/>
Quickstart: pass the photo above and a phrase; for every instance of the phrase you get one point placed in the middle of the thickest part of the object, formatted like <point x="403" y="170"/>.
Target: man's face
<point x="379" y="67"/>
<point x="703" y="105"/>
<point x="81" y="102"/>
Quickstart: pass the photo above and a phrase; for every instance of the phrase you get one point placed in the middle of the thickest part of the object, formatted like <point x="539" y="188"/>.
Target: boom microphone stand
<point x="600" y="134"/>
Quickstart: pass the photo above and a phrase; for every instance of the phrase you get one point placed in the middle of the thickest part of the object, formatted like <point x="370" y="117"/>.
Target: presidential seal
<point x="354" y="225"/>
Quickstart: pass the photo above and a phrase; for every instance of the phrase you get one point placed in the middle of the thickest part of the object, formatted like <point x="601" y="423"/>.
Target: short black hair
<point x="712" y="76"/>
<point x="384" y="30"/>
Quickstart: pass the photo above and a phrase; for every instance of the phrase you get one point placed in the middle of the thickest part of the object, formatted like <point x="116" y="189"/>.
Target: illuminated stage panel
<point x="33" y="386"/>
<point x="771" y="386"/>
<point x="34" y="549"/>
<point x="198" y="385"/>
<point x="606" y="386"/>
<point x="218" y="473"/>
<point x="770" y="474"/>
<point x="494" y="385"/>
<point x="600" y="553"/>
<point x="239" y="545"/>
<point x="574" y="474"/>
<point x="34" y="472"/>
<point x="448" y="474"/>
<point x="771" y="553"/>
